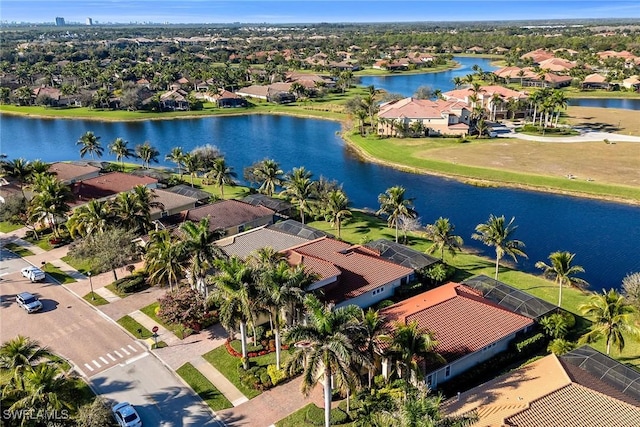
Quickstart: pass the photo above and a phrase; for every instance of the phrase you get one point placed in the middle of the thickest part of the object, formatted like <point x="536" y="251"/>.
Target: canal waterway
<point x="604" y="235"/>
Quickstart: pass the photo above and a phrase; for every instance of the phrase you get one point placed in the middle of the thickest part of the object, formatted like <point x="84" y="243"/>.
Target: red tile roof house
<point x="469" y="329"/>
<point x="348" y="274"/>
<point x="108" y="185"/>
<point x="595" y="81"/>
<point x="438" y="117"/>
<point x="70" y="173"/>
<point x="230" y="216"/>
<point x="485" y="98"/>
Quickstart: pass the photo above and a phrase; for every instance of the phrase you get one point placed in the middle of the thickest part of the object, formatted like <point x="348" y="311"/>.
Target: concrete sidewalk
<point x="225" y="386"/>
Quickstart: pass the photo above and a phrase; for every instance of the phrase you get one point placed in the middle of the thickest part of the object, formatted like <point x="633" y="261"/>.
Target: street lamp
<point x="93" y="296"/>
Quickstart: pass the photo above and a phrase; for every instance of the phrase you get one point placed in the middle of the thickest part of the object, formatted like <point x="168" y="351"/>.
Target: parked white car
<point x="33" y="273"/>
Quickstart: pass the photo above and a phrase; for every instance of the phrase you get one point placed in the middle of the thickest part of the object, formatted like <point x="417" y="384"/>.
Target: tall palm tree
<point x="394" y="204"/>
<point x="51" y="201"/>
<point x="234" y="289"/>
<point x="176" y="155"/>
<point x="131" y="214"/>
<point x="562" y="271"/>
<point x="93" y="217"/>
<point x="43" y="389"/>
<point x="495" y="232"/>
<point x="409" y="347"/>
<point x="120" y="148"/>
<point x="612" y="316"/>
<point x="336" y="208"/>
<point x="21" y="353"/>
<point x="299" y="188"/>
<point x="221" y="174"/>
<point x="90" y="145"/>
<point x="164" y="258"/>
<point x="191" y="165"/>
<point x="270" y="175"/>
<point x="441" y="234"/>
<point x="201" y="251"/>
<point x="326" y="349"/>
<point x="370" y="340"/>
<point x="20" y="170"/>
<point x="147" y="153"/>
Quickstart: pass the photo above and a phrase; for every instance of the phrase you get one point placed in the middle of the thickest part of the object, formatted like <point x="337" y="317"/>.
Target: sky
<point x="309" y="11"/>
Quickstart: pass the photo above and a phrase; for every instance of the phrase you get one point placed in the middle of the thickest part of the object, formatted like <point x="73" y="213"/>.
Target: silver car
<point x="29" y="302"/>
<point x="126" y="415"/>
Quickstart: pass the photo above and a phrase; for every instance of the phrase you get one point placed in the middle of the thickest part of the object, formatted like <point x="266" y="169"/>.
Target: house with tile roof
<point x="70" y="173"/>
<point x="108" y="185"/>
<point x="529" y="78"/>
<point x="557" y="65"/>
<point x="469" y="328"/>
<point x="438" y="117"/>
<point x="568" y="391"/>
<point x="230" y="216"/>
<point x="171" y="203"/>
<point x="485" y="97"/>
<point x="632" y="83"/>
<point x="348" y="274"/>
<point x="537" y="56"/>
<point x="243" y="244"/>
<point x="595" y="81"/>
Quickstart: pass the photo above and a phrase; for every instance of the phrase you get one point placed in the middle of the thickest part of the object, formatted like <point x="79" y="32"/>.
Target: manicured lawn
<point x="131" y="325"/>
<point x="57" y="274"/>
<point x="21" y="251"/>
<point x="8" y="227"/>
<point x="95" y="299"/>
<point x="150" y="311"/>
<point x="205" y="389"/>
<point x="81" y="265"/>
<point x="42" y="241"/>
<point x="299" y="418"/>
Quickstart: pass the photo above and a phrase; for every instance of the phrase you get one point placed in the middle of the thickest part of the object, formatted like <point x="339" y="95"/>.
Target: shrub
<point x="532" y="344"/>
<point x="276" y="375"/>
<point x="131" y="284"/>
<point x="384" y="304"/>
<point x="315" y="416"/>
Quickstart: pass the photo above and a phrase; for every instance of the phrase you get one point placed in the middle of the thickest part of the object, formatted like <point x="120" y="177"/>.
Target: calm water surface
<point x="604" y="235"/>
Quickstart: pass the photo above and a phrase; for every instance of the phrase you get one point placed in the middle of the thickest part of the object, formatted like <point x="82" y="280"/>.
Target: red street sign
<point x="154" y="329"/>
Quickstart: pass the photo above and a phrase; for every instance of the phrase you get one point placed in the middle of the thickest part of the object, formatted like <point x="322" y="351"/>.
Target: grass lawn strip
<point x="57" y="274"/>
<point x="82" y="266"/>
<point x="8" y="227"/>
<point x="203" y="387"/>
<point x="150" y="311"/>
<point x="95" y="299"/>
<point x="131" y="325"/>
<point x="21" y="251"/>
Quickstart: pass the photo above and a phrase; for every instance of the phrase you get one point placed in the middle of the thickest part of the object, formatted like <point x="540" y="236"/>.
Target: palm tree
<point x="496" y="233"/>
<point x="371" y="337"/>
<point x="133" y="210"/>
<point x="409" y="347"/>
<point x="221" y="174"/>
<point x="336" y="208"/>
<point x="562" y="271"/>
<point x="20" y="354"/>
<point x="270" y="175"/>
<point x="120" y="149"/>
<point x="176" y="156"/>
<point x="299" y="187"/>
<point x="201" y="251"/>
<point x="235" y="291"/>
<point x="191" y="165"/>
<point x="612" y="317"/>
<point x="326" y="349"/>
<point x="441" y="234"/>
<point x="90" y="145"/>
<point x="50" y="201"/>
<point x="43" y="389"/>
<point x="19" y="169"/>
<point x="93" y="217"/>
<point x="147" y="153"/>
<point x="164" y="258"/>
<point x="394" y="205"/>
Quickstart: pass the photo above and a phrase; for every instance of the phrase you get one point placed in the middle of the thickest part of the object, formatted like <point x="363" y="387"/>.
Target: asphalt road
<point x="160" y="398"/>
<point x="67" y="325"/>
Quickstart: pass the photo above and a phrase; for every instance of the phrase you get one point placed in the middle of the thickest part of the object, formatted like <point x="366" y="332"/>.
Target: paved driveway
<point x="67" y="325"/>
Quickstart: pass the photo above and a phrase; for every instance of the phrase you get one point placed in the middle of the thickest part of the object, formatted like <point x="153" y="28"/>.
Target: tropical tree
<point x="631" y="288"/>
<point x="132" y="209"/>
<point x="191" y="166"/>
<point x="336" y="208"/>
<point x="441" y="234"/>
<point x="394" y="204"/>
<point x="326" y="349"/>
<point x="90" y="144"/>
<point x="50" y="202"/>
<point x="164" y="258"/>
<point x="42" y="390"/>
<point x="121" y="150"/>
<point x="20" y="170"/>
<point x="612" y="317"/>
<point x="495" y="232"/>
<point x="370" y="340"/>
<point x="176" y="155"/>
<point x="562" y="271"/>
<point x="20" y="354"/>
<point x="409" y="347"/>
<point x="147" y="153"/>
<point x="269" y="175"/>
<point x="93" y="217"/>
<point x="221" y="174"/>
<point x="299" y="188"/>
<point x="201" y="251"/>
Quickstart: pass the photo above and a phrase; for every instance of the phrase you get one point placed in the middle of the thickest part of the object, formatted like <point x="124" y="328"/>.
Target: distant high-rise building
<point x="59" y="21"/>
<point x="89" y="21"/>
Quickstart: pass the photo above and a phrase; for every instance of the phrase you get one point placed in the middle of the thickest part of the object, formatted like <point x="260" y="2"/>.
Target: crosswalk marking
<point x="111" y="357"/>
<point x="117" y="354"/>
<point x="132" y="348"/>
<point x="105" y="361"/>
<point x="125" y="351"/>
<point x="88" y="367"/>
<point x="96" y="363"/>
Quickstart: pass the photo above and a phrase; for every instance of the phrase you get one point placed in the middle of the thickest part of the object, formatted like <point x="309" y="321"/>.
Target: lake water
<point x="604" y="235"/>
<point x="406" y="84"/>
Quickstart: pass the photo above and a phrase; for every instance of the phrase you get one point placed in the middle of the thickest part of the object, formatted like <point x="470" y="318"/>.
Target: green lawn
<point x="57" y="274"/>
<point x="83" y="266"/>
<point x="95" y="299"/>
<point x="42" y="241"/>
<point x="8" y="227"/>
<point x="205" y="389"/>
<point x="299" y="418"/>
<point x="150" y="311"/>
<point x="21" y="251"/>
<point x="131" y="325"/>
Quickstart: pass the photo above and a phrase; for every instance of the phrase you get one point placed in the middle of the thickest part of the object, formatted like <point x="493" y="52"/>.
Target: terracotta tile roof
<point x="228" y="213"/>
<point x="486" y="92"/>
<point x="449" y="310"/>
<point x="595" y="78"/>
<point x="69" y="171"/>
<point x="419" y="108"/>
<point x="361" y="270"/>
<point x="538" y="55"/>
<point x="557" y="64"/>
<point x="575" y="405"/>
<point x="109" y="184"/>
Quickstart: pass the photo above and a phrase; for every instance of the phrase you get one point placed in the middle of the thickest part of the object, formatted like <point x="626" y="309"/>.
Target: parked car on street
<point x="126" y="415"/>
<point x="33" y="273"/>
<point x="29" y="302"/>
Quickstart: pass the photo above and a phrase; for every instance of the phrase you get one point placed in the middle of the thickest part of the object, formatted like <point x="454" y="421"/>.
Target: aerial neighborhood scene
<point x="319" y="213"/>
